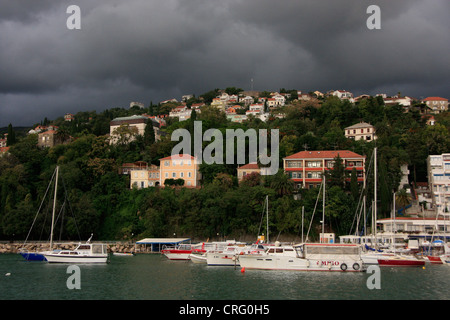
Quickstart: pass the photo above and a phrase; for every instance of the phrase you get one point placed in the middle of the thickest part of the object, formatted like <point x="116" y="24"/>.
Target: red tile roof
<point x="324" y="154"/>
<point x="252" y="165"/>
<point x="435" y="99"/>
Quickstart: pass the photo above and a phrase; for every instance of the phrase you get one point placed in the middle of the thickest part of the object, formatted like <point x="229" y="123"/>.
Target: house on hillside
<point x="306" y="168"/>
<point x="436" y="104"/>
<point x="183" y="166"/>
<point x="135" y="123"/>
<point x="360" y="131"/>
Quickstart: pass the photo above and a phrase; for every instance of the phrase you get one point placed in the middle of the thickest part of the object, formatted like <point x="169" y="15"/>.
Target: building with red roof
<point x="436" y="104"/>
<point x="306" y="168"/>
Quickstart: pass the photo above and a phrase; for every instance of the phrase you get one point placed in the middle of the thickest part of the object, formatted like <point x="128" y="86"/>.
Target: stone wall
<point x="16" y="247"/>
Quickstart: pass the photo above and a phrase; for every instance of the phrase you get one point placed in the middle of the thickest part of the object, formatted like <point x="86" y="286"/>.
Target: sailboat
<point x="399" y="260"/>
<point x="39" y="256"/>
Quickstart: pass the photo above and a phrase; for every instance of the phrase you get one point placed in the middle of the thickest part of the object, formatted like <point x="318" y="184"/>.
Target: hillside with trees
<point x="95" y="198"/>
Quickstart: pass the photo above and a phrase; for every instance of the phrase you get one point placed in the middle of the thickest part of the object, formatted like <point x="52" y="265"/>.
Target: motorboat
<point x="179" y="252"/>
<point x="84" y="253"/>
<point x="228" y="256"/>
<point x="307" y="257"/>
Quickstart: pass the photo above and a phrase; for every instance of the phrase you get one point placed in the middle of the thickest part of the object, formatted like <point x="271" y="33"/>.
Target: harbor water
<point x="154" y="277"/>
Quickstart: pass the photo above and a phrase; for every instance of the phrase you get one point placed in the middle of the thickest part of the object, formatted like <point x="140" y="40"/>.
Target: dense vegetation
<point x="99" y="200"/>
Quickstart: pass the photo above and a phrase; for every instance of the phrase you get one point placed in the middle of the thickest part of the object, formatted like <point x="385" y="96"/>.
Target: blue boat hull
<point x="33" y="256"/>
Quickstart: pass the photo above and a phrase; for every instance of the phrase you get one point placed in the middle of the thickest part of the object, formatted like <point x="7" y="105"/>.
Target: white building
<point x="439" y="180"/>
<point x="361" y="131"/>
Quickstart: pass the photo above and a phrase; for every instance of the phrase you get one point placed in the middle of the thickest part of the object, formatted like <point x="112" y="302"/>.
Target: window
<point x="314" y="164"/>
<point x="313" y="175"/>
<point x="181" y="174"/>
<point x="174" y="174"/>
<point x="294" y="164"/>
<point x="167" y="175"/>
<point x="167" y="163"/>
<point x="189" y="174"/>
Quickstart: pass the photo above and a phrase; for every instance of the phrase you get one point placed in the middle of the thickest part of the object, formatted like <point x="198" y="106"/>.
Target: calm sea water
<point x="153" y="277"/>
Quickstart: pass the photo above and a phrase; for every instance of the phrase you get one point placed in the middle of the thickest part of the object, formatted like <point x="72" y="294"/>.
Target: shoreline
<point x="16" y="247"/>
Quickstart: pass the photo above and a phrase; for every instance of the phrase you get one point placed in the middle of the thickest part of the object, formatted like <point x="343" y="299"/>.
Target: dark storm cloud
<point x="141" y="50"/>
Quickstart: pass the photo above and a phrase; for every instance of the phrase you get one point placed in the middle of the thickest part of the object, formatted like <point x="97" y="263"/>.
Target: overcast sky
<point x="153" y="50"/>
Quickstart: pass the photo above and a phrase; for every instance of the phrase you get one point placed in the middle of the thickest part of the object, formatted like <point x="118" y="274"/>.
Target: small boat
<point x="180" y="252"/>
<point x="199" y="258"/>
<point x="84" y="253"/>
<point x="228" y="256"/>
<point x="123" y="254"/>
<point x="400" y="261"/>
<point x="33" y="256"/>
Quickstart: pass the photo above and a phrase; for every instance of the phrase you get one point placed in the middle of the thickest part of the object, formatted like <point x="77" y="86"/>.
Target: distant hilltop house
<point x="361" y="131"/>
<point x="436" y="104"/>
<point x="3" y="141"/>
<point x="343" y="95"/>
<point x="136" y="125"/>
<point x="51" y="138"/>
<point x="403" y="101"/>
<point x="69" y="117"/>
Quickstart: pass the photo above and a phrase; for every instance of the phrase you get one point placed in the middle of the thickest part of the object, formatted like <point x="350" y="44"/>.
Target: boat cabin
<point x="327" y="249"/>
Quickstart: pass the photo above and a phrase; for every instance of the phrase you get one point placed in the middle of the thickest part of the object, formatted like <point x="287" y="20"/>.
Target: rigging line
<point x="262" y="218"/>
<point x="357" y="217"/>
<point x="312" y="218"/>
<point x="42" y="202"/>
<point x="70" y="207"/>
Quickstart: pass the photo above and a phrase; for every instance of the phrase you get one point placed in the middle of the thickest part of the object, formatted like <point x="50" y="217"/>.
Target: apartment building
<point x="305" y="168"/>
<point x="439" y="180"/>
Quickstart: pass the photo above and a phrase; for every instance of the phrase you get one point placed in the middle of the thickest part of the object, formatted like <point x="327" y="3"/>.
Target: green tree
<point x="11" y="138"/>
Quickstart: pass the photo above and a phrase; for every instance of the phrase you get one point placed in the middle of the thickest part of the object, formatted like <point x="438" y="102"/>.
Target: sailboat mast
<point x="54" y="207"/>
<point x="374" y="219"/>
<point x="267" y="212"/>
<point x="323" y="211"/>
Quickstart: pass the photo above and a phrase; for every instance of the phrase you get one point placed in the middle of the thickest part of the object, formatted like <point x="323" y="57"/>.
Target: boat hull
<point x="221" y="259"/>
<point x="435" y="259"/>
<point x="393" y="262"/>
<point x="265" y="262"/>
<point x="198" y="258"/>
<point x="33" y="256"/>
<point x="59" y="258"/>
<point x="177" y="254"/>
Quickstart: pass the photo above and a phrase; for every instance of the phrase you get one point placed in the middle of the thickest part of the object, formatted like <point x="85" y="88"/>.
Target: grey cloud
<point x="155" y="50"/>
